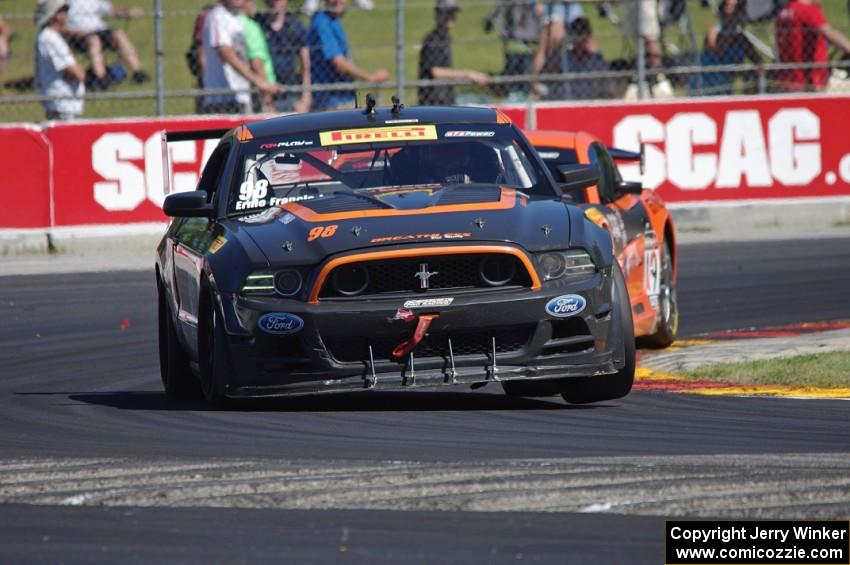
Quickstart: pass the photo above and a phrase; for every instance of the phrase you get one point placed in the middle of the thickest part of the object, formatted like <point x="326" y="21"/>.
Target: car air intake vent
<point x="341" y="204"/>
<point x="418" y="277"/>
<point x="469" y="194"/>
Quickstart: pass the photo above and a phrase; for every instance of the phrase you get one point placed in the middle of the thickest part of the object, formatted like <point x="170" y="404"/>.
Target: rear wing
<point x="194" y="135"/>
<point x="623" y="155"/>
<point x="182" y="153"/>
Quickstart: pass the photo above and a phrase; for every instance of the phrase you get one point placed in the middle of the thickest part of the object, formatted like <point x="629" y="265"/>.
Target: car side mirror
<point x="628" y="187"/>
<point x="188" y="205"/>
<point x="577" y="177"/>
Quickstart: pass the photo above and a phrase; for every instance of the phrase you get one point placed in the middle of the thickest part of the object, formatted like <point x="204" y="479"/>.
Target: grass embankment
<point x="826" y="370"/>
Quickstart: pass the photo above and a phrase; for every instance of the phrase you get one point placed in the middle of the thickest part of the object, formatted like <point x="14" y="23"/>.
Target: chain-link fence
<point x="182" y="57"/>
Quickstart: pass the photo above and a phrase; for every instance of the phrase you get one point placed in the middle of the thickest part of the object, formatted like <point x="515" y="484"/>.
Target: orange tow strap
<point x="409" y="345"/>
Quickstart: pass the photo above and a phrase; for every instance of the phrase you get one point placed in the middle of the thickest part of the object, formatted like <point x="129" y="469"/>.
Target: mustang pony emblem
<point x="423" y="275"/>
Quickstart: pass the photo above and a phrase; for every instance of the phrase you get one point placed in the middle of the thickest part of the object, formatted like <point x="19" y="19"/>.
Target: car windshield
<point x="366" y="161"/>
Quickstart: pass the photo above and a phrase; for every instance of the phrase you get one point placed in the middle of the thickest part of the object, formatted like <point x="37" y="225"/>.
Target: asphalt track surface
<point x="97" y="465"/>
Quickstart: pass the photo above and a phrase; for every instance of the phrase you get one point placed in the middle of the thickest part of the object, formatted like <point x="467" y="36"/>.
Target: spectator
<point x="583" y="56"/>
<point x="287" y="40"/>
<point x="520" y="33"/>
<point x="330" y="60"/>
<point x="802" y="33"/>
<point x="226" y="63"/>
<point x="725" y="44"/>
<point x="435" y="59"/>
<point x="650" y="27"/>
<point x="5" y="36"/>
<point x="554" y="19"/>
<point x="310" y="6"/>
<point x="88" y="33"/>
<point x="57" y="73"/>
<point x="257" y="51"/>
<point x="195" y="54"/>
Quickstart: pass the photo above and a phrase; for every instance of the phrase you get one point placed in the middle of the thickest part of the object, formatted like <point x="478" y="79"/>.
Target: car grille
<point x="347" y="349"/>
<point x="450" y="272"/>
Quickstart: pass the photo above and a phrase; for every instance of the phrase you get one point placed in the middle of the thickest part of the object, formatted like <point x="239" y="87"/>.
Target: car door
<point x="190" y="242"/>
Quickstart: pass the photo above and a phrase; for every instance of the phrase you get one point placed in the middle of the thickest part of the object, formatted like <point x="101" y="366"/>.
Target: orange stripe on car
<point x="421" y="252"/>
<point x="506" y="201"/>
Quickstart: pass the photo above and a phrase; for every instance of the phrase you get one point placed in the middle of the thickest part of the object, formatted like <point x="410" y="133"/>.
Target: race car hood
<point x="308" y="231"/>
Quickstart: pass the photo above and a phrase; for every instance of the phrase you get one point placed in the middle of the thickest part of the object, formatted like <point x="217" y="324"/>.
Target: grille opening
<point x="350" y="280"/>
<point x="569" y="336"/>
<point x="356" y="349"/>
<point x="282" y="346"/>
<point x="447" y="272"/>
<point x="569" y="327"/>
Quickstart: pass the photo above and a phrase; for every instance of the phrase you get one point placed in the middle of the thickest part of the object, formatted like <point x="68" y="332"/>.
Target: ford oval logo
<point x="280" y="324"/>
<point x="566" y="305"/>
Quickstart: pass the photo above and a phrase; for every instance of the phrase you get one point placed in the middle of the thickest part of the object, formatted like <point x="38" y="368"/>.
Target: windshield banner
<point x="378" y="135"/>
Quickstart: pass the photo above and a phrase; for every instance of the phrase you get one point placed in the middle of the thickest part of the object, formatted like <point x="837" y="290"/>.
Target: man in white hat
<point x="57" y="73"/>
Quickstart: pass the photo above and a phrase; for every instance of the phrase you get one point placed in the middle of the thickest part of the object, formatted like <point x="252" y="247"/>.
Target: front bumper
<point x="495" y="335"/>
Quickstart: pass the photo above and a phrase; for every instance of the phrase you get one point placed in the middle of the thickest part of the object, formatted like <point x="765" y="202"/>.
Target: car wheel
<point x="213" y="358"/>
<point x="531" y="388"/>
<point x="582" y="390"/>
<point x="668" y="324"/>
<point x="176" y="373"/>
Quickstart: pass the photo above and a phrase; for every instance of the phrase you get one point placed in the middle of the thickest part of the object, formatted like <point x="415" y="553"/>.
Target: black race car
<point x="387" y="249"/>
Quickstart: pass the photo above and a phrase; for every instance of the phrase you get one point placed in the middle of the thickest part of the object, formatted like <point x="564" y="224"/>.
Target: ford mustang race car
<point x="387" y="249"/>
<point x="641" y="228"/>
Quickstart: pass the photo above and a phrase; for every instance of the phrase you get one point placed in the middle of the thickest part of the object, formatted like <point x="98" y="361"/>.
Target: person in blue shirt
<point x="330" y="58"/>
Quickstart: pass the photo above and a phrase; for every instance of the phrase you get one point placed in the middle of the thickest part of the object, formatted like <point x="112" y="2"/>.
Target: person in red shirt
<point x="802" y="33"/>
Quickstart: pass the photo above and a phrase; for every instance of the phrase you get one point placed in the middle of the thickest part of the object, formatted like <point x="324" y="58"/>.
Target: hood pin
<point x="546" y="230"/>
<point x="479" y="222"/>
<point x="287" y="246"/>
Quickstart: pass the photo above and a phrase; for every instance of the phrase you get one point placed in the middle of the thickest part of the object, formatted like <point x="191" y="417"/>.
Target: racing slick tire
<point x="176" y="373"/>
<point x="213" y="353"/>
<point x="669" y="310"/>
<point x="583" y="390"/>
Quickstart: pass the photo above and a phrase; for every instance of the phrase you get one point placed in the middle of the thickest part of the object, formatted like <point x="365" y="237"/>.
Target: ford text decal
<point x="280" y="323"/>
<point x="565" y="305"/>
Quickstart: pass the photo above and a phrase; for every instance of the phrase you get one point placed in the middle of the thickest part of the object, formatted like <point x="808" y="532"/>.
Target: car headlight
<point x="261" y="283"/>
<point x="286" y="282"/>
<point x="571" y="265"/>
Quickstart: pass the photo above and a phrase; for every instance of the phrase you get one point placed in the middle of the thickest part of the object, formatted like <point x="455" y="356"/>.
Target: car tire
<point x="213" y="353"/>
<point x="583" y="390"/>
<point x="668" y="325"/>
<point x="177" y="378"/>
<point x="531" y="388"/>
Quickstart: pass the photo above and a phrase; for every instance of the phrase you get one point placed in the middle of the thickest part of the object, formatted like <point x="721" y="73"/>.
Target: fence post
<point x="399" y="48"/>
<point x="641" y="48"/>
<point x="160" y="52"/>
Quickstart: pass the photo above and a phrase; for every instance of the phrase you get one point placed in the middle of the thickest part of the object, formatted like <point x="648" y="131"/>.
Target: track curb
<point x="662" y="371"/>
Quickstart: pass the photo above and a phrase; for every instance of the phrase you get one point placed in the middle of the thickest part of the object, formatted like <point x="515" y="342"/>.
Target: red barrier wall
<point x="721" y="149"/>
<point x="725" y="149"/>
<point x="111" y="172"/>
<point x="25" y="182"/>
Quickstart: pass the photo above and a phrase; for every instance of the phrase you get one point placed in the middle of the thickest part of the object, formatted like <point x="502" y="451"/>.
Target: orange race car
<point x="637" y="219"/>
